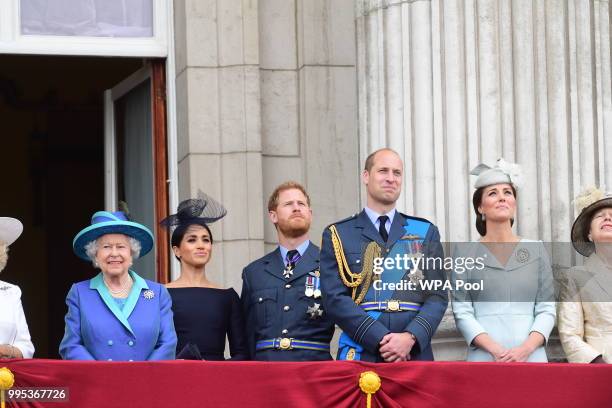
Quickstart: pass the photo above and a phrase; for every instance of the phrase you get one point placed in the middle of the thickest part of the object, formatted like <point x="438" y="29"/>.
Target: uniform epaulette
<point x="412" y="217"/>
<point x="352" y="217"/>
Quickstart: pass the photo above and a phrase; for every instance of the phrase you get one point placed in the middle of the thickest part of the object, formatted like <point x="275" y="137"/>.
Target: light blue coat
<point x="97" y="329"/>
<point x="517" y="298"/>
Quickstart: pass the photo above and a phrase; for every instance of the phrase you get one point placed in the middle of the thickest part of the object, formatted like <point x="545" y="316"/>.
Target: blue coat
<point x="97" y="329"/>
<point x="356" y="233"/>
<point x="518" y="298"/>
<point x="265" y="296"/>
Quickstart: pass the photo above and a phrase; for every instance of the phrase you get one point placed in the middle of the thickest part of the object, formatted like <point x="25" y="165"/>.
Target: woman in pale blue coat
<point x="117" y="315"/>
<point x="510" y="317"/>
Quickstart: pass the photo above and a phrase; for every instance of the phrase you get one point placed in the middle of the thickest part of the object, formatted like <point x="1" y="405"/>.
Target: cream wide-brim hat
<point x="582" y="226"/>
<point x="10" y="229"/>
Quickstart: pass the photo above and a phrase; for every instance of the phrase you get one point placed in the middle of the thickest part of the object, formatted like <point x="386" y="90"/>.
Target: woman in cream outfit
<point x="14" y="334"/>
<point x="511" y="318"/>
<point x="585" y="312"/>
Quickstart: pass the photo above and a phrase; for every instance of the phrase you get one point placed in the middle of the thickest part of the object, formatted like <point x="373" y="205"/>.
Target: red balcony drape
<point x="316" y="384"/>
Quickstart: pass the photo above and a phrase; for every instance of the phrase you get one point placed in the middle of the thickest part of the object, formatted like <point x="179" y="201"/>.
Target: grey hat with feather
<point x="502" y="172"/>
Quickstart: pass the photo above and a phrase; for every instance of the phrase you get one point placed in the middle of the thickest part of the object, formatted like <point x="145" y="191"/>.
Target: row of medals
<point x="313" y="281"/>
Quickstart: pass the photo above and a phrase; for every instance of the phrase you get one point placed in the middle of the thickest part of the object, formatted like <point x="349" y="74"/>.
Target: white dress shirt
<point x="13" y="326"/>
<point x="373" y="216"/>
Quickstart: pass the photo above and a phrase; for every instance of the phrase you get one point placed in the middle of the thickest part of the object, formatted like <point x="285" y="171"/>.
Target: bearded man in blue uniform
<point x="281" y="292"/>
<point x="389" y="314"/>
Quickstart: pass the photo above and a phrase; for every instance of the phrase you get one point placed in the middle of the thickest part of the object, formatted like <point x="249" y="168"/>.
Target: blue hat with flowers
<point x="106" y="222"/>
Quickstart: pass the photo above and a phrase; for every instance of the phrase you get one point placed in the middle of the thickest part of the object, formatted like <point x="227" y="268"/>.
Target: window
<point x="87" y="18"/>
<point x="135" y="28"/>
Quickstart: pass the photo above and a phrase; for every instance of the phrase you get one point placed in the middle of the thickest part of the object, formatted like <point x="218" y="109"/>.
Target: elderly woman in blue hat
<point x="510" y="316"/>
<point x="117" y="315"/>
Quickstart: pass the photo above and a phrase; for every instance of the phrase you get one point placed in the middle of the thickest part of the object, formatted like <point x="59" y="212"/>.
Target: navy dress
<point x="203" y="317"/>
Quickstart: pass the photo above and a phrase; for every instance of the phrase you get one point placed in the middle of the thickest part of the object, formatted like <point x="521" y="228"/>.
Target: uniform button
<point x="260" y="300"/>
<point x="130" y="343"/>
<point x="288" y="286"/>
<point x="286" y="308"/>
<point x="110" y="343"/>
<point x="130" y="359"/>
<point x="110" y="359"/>
<point x="285" y="331"/>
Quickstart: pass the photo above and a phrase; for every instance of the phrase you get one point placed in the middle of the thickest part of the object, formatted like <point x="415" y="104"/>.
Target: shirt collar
<point x="300" y="248"/>
<point x="373" y="215"/>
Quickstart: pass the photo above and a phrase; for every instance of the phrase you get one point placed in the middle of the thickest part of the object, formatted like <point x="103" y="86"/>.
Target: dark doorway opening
<point x="52" y="116"/>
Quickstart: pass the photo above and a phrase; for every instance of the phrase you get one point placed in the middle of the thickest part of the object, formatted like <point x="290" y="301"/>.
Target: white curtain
<point x="87" y="18"/>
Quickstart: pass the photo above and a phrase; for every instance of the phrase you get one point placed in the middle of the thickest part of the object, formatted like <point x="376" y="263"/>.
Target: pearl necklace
<point x="121" y="292"/>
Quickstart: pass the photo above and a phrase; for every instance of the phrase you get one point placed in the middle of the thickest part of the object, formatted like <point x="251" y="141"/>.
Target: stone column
<point x="308" y="99"/>
<point x="399" y="107"/>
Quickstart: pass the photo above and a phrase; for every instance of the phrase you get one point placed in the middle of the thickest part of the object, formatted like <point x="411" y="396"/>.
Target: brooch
<point x="148" y="294"/>
<point x="522" y="255"/>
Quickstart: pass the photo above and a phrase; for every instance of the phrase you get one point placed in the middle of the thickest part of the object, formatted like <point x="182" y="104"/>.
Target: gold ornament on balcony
<point x="7" y="379"/>
<point x="369" y="382"/>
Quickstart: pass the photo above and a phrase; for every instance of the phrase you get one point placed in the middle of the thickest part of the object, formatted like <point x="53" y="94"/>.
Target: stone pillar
<point x="399" y="107"/>
<point x="308" y="99"/>
<point x="452" y="83"/>
<point x="219" y="124"/>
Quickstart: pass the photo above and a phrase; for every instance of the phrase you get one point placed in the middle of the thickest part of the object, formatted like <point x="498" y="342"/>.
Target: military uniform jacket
<point x="275" y="307"/>
<point x="355" y="234"/>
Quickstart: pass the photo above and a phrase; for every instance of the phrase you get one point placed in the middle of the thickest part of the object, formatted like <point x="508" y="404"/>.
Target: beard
<point x="293" y="227"/>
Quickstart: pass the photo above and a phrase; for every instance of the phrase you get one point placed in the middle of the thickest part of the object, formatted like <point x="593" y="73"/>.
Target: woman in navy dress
<point x="204" y="313"/>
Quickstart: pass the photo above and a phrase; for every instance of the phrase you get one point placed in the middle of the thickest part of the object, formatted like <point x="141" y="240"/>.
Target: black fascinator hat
<point x="201" y="210"/>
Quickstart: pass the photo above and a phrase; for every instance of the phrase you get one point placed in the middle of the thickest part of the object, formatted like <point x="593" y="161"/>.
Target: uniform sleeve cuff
<point x="373" y="336"/>
<point x="420" y="331"/>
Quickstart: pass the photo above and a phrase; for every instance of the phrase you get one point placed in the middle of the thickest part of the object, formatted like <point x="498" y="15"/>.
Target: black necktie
<point x="292" y="257"/>
<point x="381" y="227"/>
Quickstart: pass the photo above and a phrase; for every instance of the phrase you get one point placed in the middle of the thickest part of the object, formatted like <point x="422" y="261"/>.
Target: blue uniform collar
<point x="300" y="248"/>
